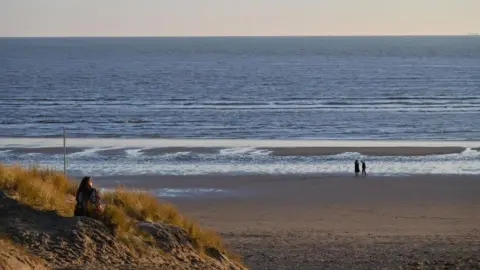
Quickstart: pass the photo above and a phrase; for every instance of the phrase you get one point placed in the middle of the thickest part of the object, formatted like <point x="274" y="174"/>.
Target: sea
<point x="217" y="105"/>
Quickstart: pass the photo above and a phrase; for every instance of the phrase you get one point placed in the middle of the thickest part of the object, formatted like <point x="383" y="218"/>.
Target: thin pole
<point x="65" y="152"/>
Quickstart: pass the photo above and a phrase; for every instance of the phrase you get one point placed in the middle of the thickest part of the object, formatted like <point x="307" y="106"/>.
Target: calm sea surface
<point x="270" y="88"/>
<point x="182" y="91"/>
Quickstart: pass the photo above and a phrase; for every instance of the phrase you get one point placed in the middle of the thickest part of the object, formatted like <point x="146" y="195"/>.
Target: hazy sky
<point x="237" y="17"/>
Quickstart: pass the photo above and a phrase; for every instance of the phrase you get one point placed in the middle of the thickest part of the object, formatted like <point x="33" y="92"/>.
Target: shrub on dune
<point x="46" y="189"/>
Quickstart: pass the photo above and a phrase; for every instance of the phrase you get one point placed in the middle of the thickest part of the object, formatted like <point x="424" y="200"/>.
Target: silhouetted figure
<point x="357" y="168"/>
<point x="364" y="168"/>
<point x="88" y="199"/>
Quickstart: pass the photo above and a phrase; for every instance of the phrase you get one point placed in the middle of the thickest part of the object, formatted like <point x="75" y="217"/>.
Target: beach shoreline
<point x="275" y="151"/>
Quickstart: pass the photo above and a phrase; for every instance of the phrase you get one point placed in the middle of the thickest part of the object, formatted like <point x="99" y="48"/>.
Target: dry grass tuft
<point x="124" y="207"/>
<point x="46" y="189"/>
<point x="43" y="189"/>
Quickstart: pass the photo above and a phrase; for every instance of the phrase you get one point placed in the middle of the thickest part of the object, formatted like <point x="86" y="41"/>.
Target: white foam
<point x="177" y="154"/>
<point x="236" y="151"/>
<point x="134" y="152"/>
<point x="376" y="167"/>
<point x="245" y="158"/>
<point x="244" y="151"/>
<point x="470" y="152"/>
<point x="178" y="192"/>
<point x="187" y="192"/>
<point x="86" y="152"/>
<point x="261" y="152"/>
<point x="225" y="143"/>
<point x="348" y="155"/>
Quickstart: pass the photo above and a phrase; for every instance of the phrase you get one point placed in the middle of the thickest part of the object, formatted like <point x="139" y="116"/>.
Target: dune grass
<point x="124" y="206"/>
<point x="46" y="189"/>
<point x="42" y="189"/>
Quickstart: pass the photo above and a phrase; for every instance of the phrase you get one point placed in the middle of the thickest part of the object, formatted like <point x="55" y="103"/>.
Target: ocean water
<point x="302" y="89"/>
<point x="272" y="88"/>
<point x="107" y="157"/>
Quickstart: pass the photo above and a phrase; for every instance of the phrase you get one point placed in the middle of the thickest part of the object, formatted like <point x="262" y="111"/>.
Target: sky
<point x="238" y="17"/>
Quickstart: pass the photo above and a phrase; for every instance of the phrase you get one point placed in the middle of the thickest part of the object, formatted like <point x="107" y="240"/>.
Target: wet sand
<point x="322" y="151"/>
<point x="371" y="151"/>
<point x="277" y="151"/>
<point x="335" y="222"/>
<point x="42" y="150"/>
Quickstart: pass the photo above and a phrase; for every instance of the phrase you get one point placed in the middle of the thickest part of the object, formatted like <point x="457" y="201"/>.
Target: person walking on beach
<point x="357" y="168"/>
<point x="364" y="168"/>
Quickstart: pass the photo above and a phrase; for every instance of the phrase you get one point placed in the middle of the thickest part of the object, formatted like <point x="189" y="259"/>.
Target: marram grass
<point x="47" y="189"/>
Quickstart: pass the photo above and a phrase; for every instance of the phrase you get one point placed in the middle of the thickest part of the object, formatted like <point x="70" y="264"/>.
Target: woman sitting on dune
<point x="88" y="199"/>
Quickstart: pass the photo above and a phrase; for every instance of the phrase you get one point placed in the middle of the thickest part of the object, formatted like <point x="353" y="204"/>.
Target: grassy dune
<point x="46" y="189"/>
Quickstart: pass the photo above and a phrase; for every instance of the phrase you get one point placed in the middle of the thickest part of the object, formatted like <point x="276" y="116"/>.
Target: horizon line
<point x="250" y="36"/>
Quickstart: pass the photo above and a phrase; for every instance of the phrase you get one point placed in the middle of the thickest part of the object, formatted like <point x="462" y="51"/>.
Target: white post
<point x="65" y="152"/>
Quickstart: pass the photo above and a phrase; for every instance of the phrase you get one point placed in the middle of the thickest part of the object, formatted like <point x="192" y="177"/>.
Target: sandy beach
<point x="332" y="221"/>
